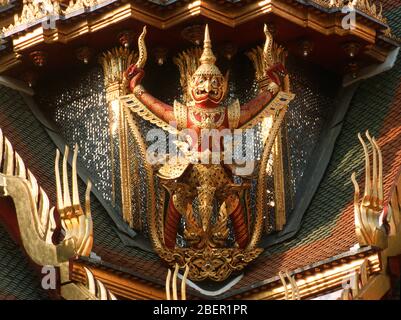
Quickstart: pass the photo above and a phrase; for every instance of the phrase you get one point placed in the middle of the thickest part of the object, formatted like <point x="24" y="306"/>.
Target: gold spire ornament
<point x="207" y="60"/>
<point x="207" y="55"/>
<point x="208" y="72"/>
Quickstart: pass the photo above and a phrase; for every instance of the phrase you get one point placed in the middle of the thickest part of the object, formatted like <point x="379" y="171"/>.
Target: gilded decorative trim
<point x="93" y="290"/>
<point x="233" y="114"/>
<point x="171" y="282"/>
<point x="76" y="5"/>
<point x="34" y="11"/>
<point x="36" y="219"/>
<point x="367" y="6"/>
<point x="65" y="33"/>
<point x="207" y="117"/>
<point x="279" y="188"/>
<point x="371" y="217"/>
<point x="293" y="286"/>
<point x="261" y="178"/>
<point x="180" y="114"/>
<point x="369" y="214"/>
<point x="114" y="64"/>
<point x="371" y="9"/>
<point x="358" y="281"/>
<point x="324" y="279"/>
<point x="389" y="34"/>
<point x="222" y="257"/>
<point x="132" y="103"/>
<point x="260" y="64"/>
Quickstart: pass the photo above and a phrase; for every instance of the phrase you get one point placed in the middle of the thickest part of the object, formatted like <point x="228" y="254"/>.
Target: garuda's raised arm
<point x="134" y="76"/>
<point x="275" y="75"/>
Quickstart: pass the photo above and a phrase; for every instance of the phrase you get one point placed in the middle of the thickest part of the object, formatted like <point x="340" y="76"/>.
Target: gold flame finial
<point x="143" y="54"/>
<point x="207" y="55"/>
<point x="207" y="59"/>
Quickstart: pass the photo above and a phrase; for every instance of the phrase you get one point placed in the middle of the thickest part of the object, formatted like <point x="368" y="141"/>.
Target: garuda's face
<point x="206" y="88"/>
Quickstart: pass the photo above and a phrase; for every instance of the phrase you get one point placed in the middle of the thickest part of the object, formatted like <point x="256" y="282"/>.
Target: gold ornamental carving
<point x="37" y="221"/>
<point x="114" y="64"/>
<point x="369" y="214"/>
<point x="206" y="232"/>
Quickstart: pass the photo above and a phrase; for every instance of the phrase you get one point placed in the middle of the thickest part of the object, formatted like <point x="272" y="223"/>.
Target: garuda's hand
<point x="134" y="76"/>
<point x="277" y="73"/>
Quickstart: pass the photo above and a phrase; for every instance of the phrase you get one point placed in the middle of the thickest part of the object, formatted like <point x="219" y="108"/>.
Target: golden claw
<point x="369" y="211"/>
<point x="77" y="224"/>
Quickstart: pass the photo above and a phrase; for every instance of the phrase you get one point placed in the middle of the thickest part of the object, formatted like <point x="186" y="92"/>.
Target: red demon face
<point x="205" y="88"/>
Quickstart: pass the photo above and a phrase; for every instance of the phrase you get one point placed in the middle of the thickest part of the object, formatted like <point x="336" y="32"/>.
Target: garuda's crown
<point x="207" y="60"/>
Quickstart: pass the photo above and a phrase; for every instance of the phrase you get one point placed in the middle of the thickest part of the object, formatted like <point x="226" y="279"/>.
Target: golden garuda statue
<point x="199" y="180"/>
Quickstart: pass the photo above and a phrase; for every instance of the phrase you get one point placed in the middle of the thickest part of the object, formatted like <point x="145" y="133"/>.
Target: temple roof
<point x="327" y="228"/>
<point x="18" y="279"/>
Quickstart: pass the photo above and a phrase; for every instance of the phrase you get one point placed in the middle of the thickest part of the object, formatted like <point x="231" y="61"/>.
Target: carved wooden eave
<point x="76" y="22"/>
<point x="319" y="278"/>
<point x="312" y="280"/>
<point x="125" y="286"/>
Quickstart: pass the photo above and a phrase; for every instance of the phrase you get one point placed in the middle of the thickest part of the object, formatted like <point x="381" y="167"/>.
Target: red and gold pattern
<point x="219" y="199"/>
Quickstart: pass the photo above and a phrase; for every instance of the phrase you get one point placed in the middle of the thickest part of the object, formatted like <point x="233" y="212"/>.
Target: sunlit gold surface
<point x="369" y="214"/>
<point x="324" y="280"/>
<point x="207" y="255"/>
<point x="171" y="284"/>
<point x="81" y="24"/>
<point x="37" y="220"/>
<point x="114" y="63"/>
<point x="277" y="54"/>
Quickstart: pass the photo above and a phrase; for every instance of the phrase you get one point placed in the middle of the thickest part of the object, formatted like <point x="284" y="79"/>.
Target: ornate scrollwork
<point x="75" y="5"/>
<point x="35" y="10"/>
<point x="37" y="220"/>
<point x="208" y="252"/>
<point x="370" y="219"/>
<point x="370" y="8"/>
<point x="367" y="6"/>
<point x="210" y="263"/>
<point x="389" y="34"/>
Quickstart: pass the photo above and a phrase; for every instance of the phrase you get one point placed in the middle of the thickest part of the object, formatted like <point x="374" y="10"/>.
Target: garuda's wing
<point x="272" y="116"/>
<point x="131" y="103"/>
<point x="143" y="174"/>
